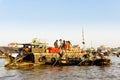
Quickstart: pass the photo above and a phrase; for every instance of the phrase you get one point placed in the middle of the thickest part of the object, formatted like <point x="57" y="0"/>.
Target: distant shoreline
<point x="2" y="56"/>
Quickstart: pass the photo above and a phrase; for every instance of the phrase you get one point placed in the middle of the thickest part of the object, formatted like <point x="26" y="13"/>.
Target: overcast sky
<point x="48" y="20"/>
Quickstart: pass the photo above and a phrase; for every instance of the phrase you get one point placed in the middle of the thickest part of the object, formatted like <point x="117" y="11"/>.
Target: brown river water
<point x="48" y="72"/>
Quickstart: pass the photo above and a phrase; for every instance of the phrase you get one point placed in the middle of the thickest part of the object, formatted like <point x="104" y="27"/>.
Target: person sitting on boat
<point x="19" y="53"/>
<point x="26" y="50"/>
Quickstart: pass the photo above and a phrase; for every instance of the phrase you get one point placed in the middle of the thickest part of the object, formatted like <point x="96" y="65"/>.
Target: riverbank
<point x="2" y="56"/>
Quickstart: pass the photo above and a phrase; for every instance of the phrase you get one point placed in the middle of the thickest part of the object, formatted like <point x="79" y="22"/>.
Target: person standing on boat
<point x="60" y="44"/>
<point x="69" y="45"/>
<point x="56" y="44"/>
<point x="63" y="46"/>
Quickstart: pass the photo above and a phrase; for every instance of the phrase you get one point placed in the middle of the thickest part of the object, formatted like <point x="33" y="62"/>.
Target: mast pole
<point x="83" y="40"/>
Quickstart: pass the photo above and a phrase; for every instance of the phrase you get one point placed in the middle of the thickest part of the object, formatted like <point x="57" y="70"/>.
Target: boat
<point x="102" y="62"/>
<point x="36" y="53"/>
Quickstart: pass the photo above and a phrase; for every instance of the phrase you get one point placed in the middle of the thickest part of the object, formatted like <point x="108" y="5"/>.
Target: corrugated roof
<point x="6" y="49"/>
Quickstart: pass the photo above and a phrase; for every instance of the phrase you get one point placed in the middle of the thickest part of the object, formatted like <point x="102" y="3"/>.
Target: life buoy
<point x="53" y="60"/>
<point x="42" y="59"/>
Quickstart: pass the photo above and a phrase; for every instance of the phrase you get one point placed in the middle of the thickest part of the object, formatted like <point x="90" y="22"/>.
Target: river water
<point x="47" y="72"/>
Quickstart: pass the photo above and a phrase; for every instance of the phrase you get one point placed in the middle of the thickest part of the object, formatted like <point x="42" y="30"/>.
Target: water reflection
<point x="47" y="72"/>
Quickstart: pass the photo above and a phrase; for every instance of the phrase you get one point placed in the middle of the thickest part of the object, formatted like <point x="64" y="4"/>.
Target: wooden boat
<point x="37" y="54"/>
<point x="102" y="62"/>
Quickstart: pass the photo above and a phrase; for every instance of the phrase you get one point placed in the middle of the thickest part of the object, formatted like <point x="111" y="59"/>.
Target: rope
<point x="82" y="61"/>
<point x="57" y="60"/>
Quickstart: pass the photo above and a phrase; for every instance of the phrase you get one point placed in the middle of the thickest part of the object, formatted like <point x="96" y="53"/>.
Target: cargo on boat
<point x="36" y="53"/>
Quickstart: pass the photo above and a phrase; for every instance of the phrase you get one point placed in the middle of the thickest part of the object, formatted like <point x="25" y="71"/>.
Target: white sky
<point x="23" y="20"/>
